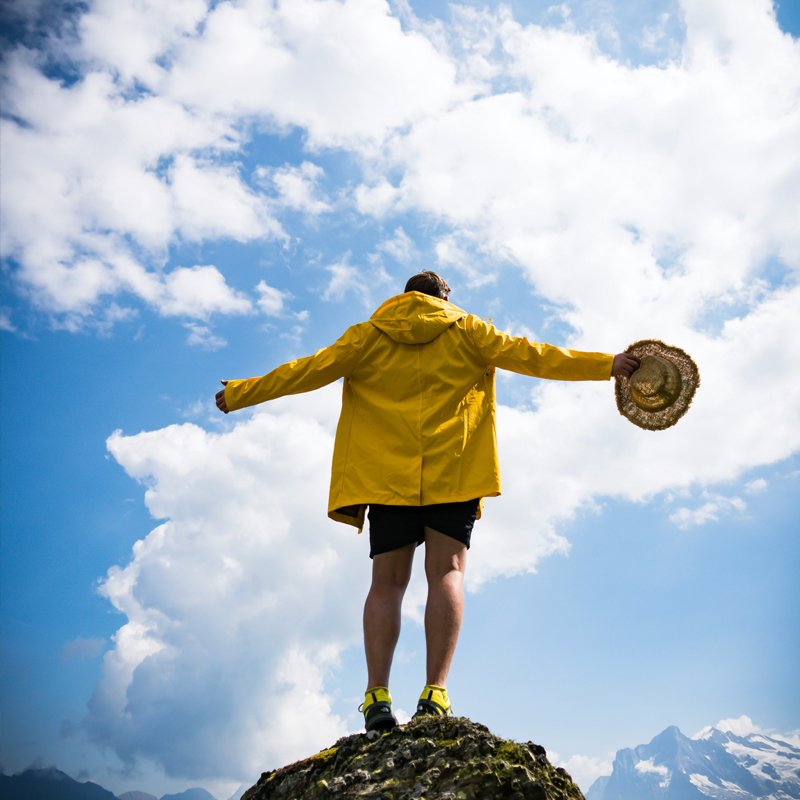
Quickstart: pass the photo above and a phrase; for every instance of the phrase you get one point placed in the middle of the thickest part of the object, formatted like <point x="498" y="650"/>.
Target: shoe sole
<point x="427" y="708"/>
<point x="381" y="723"/>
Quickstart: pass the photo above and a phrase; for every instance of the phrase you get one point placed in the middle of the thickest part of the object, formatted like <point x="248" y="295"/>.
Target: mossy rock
<point x="428" y="759"/>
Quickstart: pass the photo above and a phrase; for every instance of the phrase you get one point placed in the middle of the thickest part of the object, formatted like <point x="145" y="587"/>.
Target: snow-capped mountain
<point x="714" y="764"/>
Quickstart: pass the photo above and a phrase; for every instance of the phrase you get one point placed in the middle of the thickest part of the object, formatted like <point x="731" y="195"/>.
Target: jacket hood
<point x="415" y="318"/>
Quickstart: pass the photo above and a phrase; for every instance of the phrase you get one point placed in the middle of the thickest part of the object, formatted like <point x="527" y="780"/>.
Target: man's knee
<point x="444" y="555"/>
<point x="392" y="570"/>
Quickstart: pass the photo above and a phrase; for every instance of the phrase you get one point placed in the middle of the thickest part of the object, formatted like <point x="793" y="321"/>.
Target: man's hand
<point x="221" y="405"/>
<point x="624" y="365"/>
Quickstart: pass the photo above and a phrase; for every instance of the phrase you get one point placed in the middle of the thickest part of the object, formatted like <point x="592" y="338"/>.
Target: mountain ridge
<point x="50" y="783"/>
<point x="715" y="764"/>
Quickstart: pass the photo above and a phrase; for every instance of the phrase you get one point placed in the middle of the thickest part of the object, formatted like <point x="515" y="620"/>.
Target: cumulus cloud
<point x="200" y="291"/>
<point x="211" y="202"/>
<point x="150" y="29"/>
<point x="127" y="155"/>
<point x="400" y="247"/>
<point x="376" y="199"/>
<point x="584" y="770"/>
<point x="646" y="192"/>
<point x="297" y="187"/>
<point x="740" y="726"/>
<point x="270" y="299"/>
<point x="223" y="641"/>
<point x="86" y="204"/>
<point x="328" y="67"/>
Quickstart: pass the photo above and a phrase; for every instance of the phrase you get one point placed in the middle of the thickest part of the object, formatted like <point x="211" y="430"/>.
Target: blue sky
<point x="191" y="193"/>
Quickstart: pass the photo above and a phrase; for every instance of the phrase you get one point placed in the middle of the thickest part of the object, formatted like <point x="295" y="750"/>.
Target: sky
<point x="194" y="191"/>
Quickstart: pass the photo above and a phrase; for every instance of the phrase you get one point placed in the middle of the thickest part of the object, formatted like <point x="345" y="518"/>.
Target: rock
<point x="430" y="758"/>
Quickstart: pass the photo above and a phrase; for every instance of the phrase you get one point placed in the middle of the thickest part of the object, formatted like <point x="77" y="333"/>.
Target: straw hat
<point x="658" y="394"/>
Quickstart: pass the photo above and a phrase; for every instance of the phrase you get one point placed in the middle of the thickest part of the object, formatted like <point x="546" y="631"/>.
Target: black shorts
<point x="393" y="527"/>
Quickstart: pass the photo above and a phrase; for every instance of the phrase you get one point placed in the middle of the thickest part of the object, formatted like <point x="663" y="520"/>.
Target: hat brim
<point x="665" y="417"/>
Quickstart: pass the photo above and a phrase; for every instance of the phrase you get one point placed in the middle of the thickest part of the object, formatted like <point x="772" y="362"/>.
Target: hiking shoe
<point x="377" y="709"/>
<point x="433" y="702"/>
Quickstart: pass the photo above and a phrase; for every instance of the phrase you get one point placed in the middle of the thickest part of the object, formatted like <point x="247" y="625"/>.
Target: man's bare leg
<point x="445" y="562"/>
<point x="390" y="575"/>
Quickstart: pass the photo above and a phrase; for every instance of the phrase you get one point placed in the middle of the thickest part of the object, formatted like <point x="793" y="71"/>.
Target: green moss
<point x="324" y="756"/>
<point x="509" y="751"/>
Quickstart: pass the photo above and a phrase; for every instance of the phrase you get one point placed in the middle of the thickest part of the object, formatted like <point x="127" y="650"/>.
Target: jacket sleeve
<point x="517" y="354"/>
<point x="300" y="375"/>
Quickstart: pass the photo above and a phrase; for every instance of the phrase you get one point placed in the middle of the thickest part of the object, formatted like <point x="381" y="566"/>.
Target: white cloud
<point x="584" y="770"/>
<point x="86" y="159"/>
<point x="756" y="486"/>
<point x="211" y="202"/>
<point x="83" y="187"/>
<point x="710" y="511"/>
<point x="297" y="186"/>
<point x="376" y="199"/>
<point x="202" y="336"/>
<point x="652" y="193"/>
<point x="346" y="279"/>
<point x="95" y="165"/>
<point x="271" y="300"/>
<point x="457" y="251"/>
<point x="343" y="280"/>
<point x="198" y="292"/>
<point x="400" y="247"/>
<point x="130" y="38"/>
<point x="224" y="639"/>
<point x="740" y="726"/>
<point x="328" y="67"/>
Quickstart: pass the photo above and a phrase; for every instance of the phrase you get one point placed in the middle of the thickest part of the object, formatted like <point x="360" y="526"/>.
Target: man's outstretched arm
<point x="294" y="377"/>
<point x="545" y="360"/>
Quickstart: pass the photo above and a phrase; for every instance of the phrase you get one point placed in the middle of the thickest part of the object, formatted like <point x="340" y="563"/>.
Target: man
<point x="416" y="445"/>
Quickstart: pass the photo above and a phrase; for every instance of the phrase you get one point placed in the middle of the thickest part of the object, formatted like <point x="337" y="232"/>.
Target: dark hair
<point x="430" y="283"/>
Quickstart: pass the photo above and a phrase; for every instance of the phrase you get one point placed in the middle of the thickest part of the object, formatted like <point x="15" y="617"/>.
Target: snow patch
<point x="648" y="767"/>
<point x="702" y="781"/>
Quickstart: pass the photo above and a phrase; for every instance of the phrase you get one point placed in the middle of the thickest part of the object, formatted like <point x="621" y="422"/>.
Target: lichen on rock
<point x="428" y="759"/>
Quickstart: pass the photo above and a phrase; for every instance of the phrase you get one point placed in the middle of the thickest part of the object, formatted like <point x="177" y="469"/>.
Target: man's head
<point x="430" y="283"/>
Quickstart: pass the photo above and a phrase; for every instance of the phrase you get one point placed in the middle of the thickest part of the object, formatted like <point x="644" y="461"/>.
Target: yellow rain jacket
<point x="417" y="424"/>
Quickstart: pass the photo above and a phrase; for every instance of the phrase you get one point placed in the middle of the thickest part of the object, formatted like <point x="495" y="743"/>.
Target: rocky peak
<point x="429" y="758"/>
